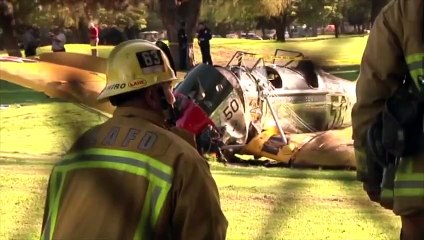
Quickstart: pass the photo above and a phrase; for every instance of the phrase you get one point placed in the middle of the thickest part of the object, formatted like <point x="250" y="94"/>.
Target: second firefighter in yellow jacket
<point x="392" y="70"/>
<point x="133" y="177"/>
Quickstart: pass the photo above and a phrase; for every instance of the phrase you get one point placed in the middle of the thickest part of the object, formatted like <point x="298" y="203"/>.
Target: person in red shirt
<point x="94" y="38"/>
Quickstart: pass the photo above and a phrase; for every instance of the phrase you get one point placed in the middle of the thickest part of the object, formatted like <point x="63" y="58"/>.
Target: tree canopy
<point x="279" y="14"/>
<point x="223" y="16"/>
<point x="69" y="13"/>
<point x="234" y="14"/>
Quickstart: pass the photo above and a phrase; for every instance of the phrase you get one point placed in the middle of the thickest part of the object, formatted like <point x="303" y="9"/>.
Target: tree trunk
<point x="314" y="30"/>
<point x="342" y="27"/>
<point x="263" y="32"/>
<point x="83" y="35"/>
<point x="376" y="6"/>
<point x="221" y="29"/>
<point x="262" y="24"/>
<point x="172" y="12"/>
<point x="336" y="29"/>
<point x="7" y="23"/>
<point x="281" y="25"/>
<point x="290" y="31"/>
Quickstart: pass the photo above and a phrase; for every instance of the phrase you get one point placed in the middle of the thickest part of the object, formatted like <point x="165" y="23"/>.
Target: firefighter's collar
<point x="151" y="116"/>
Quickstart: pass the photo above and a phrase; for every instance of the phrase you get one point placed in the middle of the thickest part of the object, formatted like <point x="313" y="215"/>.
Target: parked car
<point x="301" y="31"/>
<point x="270" y="34"/>
<point x="252" y="36"/>
<point x="149" y="35"/>
<point x="231" y="35"/>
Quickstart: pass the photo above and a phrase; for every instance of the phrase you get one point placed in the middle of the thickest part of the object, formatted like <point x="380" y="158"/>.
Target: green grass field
<point x="328" y="51"/>
<point x="259" y="203"/>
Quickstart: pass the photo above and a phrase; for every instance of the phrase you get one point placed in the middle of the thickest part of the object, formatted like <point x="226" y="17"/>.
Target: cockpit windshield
<point x="250" y="61"/>
<point x="207" y="87"/>
<point x="287" y="58"/>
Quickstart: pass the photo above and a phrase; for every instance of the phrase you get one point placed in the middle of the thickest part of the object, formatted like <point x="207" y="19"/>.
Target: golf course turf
<point x="259" y="203"/>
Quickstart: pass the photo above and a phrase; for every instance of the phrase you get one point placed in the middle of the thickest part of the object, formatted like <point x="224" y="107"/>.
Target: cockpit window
<point x="206" y="86"/>
<point x="294" y="80"/>
<point x="287" y="79"/>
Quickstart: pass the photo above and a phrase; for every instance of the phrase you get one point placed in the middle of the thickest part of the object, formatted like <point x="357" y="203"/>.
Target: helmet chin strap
<point x="167" y="108"/>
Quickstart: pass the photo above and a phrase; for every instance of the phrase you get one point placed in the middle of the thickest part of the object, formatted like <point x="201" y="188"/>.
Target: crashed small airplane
<point x="269" y="110"/>
<point x="244" y="111"/>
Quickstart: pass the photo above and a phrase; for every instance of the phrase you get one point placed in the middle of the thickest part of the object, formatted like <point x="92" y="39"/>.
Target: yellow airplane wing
<point x="73" y="78"/>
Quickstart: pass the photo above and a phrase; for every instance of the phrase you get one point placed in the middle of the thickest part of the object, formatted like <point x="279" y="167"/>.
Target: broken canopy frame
<point x="257" y="72"/>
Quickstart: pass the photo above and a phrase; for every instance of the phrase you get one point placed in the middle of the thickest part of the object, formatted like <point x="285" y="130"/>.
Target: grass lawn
<point x="259" y="203"/>
<point x="328" y="51"/>
<point x="277" y="204"/>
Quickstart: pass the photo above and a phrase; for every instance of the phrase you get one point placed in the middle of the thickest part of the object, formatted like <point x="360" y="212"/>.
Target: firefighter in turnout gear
<point x="387" y="118"/>
<point x="135" y="176"/>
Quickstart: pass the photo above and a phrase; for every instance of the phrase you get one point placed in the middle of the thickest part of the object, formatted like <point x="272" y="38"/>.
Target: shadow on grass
<point x="339" y="175"/>
<point x="288" y="194"/>
<point x="15" y="94"/>
<point x="112" y="190"/>
<point x="66" y="124"/>
<point x="362" y="203"/>
<point x="297" y="175"/>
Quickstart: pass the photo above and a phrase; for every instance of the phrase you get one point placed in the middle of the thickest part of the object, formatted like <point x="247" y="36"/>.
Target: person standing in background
<point x="29" y="42"/>
<point x="58" y="40"/>
<point x="94" y="39"/>
<point x="182" y="46"/>
<point x="204" y="35"/>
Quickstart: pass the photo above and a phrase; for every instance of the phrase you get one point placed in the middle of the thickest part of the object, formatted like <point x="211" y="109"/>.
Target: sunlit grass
<point x="103" y="51"/>
<point x="22" y="196"/>
<point x="327" y="51"/>
<point x="300" y="204"/>
<point x="259" y="203"/>
<point x="331" y="51"/>
<point x="42" y="130"/>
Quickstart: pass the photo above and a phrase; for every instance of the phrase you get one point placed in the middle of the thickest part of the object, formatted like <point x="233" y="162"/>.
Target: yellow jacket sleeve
<point x="382" y="70"/>
<point x="197" y="211"/>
